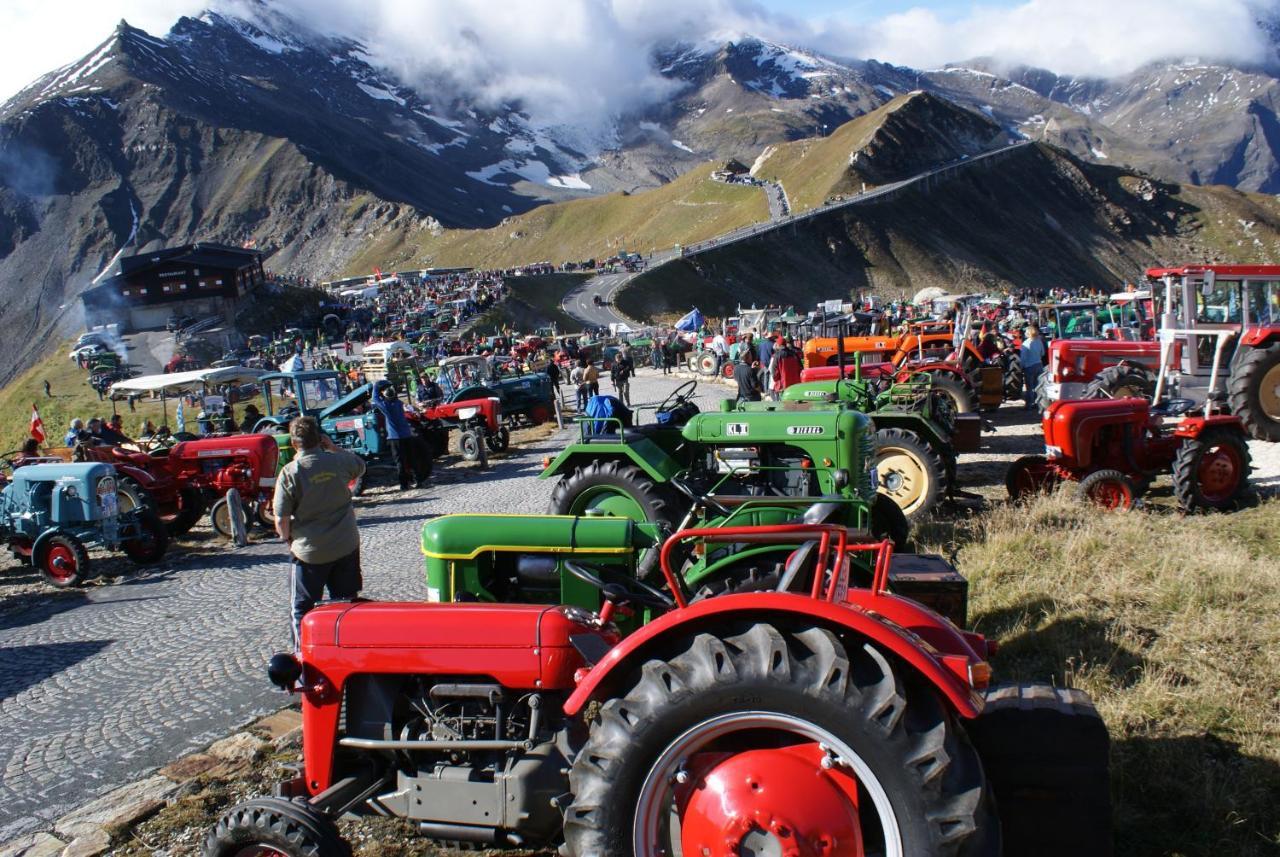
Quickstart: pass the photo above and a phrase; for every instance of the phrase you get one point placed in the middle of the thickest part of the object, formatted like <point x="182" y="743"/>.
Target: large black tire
<point x="585" y="486"/>
<point x="191" y="510"/>
<point x="63" y="561"/>
<point x="894" y="735"/>
<point x="1015" y="380"/>
<point x="470" y="445"/>
<point x="1045" y="754"/>
<point x="910" y="472"/>
<point x="1042" y="392"/>
<point x="287" y="827"/>
<point x="1211" y="472"/>
<point x="1028" y="477"/>
<point x="1121" y="381"/>
<point x="499" y="441"/>
<point x="1254" y="390"/>
<point x="706" y="363"/>
<point x="153" y="541"/>
<point x="963" y="396"/>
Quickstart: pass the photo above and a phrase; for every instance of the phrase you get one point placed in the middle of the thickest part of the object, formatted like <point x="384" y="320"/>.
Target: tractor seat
<point x="1172" y="407"/>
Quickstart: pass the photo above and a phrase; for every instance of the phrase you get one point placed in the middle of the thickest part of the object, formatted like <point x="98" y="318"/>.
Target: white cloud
<point x="1085" y="37"/>
<point x="576" y="60"/>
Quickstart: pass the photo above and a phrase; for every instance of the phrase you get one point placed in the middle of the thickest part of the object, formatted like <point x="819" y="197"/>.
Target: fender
<point x="1260" y="337"/>
<point x="643" y="453"/>
<point x="920" y="655"/>
<point x="1194" y="426"/>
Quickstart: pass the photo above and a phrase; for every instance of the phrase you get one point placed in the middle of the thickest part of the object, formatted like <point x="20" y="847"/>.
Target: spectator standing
<point x="316" y="519"/>
<point x="764" y="353"/>
<point x="747" y="376"/>
<point x="1031" y="355"/>
<point x="721" y="350"/>
<point x="406" y="449"/>
<point x="48" y="391"/>
<point x="785" y="370"/>
<point x="576" y="376"/>
<point x="620" y="374"/>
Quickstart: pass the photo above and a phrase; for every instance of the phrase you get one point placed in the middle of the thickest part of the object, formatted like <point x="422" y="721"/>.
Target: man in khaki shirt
<point x="315" y="517"/>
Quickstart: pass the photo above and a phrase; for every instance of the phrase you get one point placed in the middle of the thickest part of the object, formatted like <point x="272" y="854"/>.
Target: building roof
<point x="197" y="255"/>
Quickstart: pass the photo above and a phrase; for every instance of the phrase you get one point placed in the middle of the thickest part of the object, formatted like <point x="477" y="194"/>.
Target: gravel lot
<point x="101" y="685"/>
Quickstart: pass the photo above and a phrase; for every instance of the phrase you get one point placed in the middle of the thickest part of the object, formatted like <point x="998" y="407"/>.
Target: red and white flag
<point x="37" y="425"/>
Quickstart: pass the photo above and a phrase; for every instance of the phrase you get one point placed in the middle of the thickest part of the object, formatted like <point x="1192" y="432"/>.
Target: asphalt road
<point x="102" y="685"/>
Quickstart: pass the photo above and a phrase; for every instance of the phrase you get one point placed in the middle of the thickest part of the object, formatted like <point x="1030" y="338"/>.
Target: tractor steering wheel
<point x="621" y="589"/>
<point x="680" y="395"/>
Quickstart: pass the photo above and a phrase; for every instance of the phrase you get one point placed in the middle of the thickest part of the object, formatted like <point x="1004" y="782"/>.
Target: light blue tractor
<point x="51" y="514"/>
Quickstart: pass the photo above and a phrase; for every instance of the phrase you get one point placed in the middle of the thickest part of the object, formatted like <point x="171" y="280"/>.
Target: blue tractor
<point x="51" y="514"/>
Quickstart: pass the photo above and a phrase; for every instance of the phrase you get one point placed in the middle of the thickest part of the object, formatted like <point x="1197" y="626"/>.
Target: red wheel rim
<point x="769" y="801"/>
<point x="1111" y="494"/>
<point x="61" y="562"/>
<point x="1219" y="472"/>
<point x="260" y="851"/>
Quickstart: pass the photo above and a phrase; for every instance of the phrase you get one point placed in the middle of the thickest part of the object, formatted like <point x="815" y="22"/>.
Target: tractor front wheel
<point x="1109" y="489"/>
<point x="620" y="490"/>
<point x="964" y="397"/>
<point x="1211" y="472"/>
<point x="499" y="441"/>
<point x="1028" y="476"/>
<point x="766" y="740"/>
<point x="470" y="445"/>
<point x="150" y="543"/>
<point x="1255" y="392"/>
<point x="908" y="472"/>
<point x="63" y="560"/>
<point x="274" y="827"/>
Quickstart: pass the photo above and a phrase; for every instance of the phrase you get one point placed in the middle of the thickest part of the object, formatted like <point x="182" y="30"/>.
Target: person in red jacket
<point x="786" y="365"/>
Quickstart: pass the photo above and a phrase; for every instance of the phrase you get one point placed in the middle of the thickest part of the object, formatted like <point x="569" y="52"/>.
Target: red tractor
<point x="478" y="422"/>
<point x="1114" y="448"/>
<point x="823" y="716"/>
<point x="213" y="466"/>
<point x="1201" y="300"/>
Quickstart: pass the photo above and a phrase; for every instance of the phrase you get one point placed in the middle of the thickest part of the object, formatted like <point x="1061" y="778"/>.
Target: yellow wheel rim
<point x="1269" y="393"/>
<point x="902" y="478"/>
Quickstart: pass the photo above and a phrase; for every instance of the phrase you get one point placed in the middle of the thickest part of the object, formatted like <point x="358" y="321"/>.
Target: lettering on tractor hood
<point x="737" y="429"/>
<point x="804" y="429"/>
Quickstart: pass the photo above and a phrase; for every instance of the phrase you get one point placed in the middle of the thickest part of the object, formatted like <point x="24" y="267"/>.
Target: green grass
<point x="1172" y="624"/>
<point x="691" y="208"/>
<point x="72" y="397"/>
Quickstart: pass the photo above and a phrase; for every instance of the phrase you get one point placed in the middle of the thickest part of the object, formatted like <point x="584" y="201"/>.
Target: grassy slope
<point x="534" y="302"/>
<point x="688" y="209"/>
<point x="72" y="397"/>
<point x="813" y="169"/>
<point x="1172" y="624"/>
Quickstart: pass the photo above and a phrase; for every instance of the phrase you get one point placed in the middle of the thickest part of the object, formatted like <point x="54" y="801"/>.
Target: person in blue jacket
<point x="407" y="449"/>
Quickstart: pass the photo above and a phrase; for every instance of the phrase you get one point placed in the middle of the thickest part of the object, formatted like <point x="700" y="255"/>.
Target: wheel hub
<point x="1269" y="393"/>
<point x="1219" y="471"/>
<point x="902" y="478"/>
<point x="785" y="802"/>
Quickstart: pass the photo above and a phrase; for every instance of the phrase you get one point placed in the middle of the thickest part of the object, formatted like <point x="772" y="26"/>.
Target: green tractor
<point x="918" y="433"/>
<point x="666" y="472"/>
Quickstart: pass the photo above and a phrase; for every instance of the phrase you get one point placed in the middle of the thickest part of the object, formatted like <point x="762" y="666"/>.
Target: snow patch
<point x="533" y="171"/>
<point x="680" y="145"/>
<point x="380" y="93"/>
<point x="885" y="91"/>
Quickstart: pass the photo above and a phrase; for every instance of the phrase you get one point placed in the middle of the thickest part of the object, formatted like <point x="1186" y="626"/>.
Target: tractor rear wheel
<point x="909" y="472"/>
<point x="1015" y="380"/>
<point x="620" y="490"/>
<point x="1042" y="392"/>
<point x="130" y="495"/>
<point x="152" y="541"/>
<point x="1028" y="476"/>
<point x="1121" y="381"/>
<point x="1211" y="472"/>
<point x="190" y="511"/>
<point x="964" y="397"/>
<point x="1109" y="489"/>
<point x="766" y="740"/>
<point x="1255" y="392"/>
<point x="274" y="827"/>
<point x="63" y="560"/>
<point x="707" y="363"/>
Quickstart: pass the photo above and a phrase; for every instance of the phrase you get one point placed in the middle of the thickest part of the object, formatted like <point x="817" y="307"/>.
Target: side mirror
<point x="284" y="671"/>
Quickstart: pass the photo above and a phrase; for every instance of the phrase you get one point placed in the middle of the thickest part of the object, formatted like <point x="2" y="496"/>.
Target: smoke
<point x="27" y="170"/>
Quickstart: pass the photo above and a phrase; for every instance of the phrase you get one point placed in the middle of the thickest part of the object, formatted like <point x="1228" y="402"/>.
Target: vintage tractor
<point x="1114" y="448"/>
<point x="823" y="715"/>
<point x="656" y="472"/>
<point x="478" y="423"/>
<point x="1201" y="300"/>
<point x="212" y="467"/>
<point x="525" y="396"/>
<point x="51" y="514"/>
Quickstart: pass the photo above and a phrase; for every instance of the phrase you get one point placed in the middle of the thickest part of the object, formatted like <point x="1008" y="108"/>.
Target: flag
<point x="690" y="322"/>
<point x="180" y="419"/>
<point x="37" y="425"/>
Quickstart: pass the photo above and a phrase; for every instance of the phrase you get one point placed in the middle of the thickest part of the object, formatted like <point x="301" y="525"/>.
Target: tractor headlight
<point x="467" y="413"/>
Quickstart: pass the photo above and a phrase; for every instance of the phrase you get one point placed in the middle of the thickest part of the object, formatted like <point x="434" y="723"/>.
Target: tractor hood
<point x="466" y="536"/>
<point x="348" y="403"/>
<point x="780" y="425"/>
